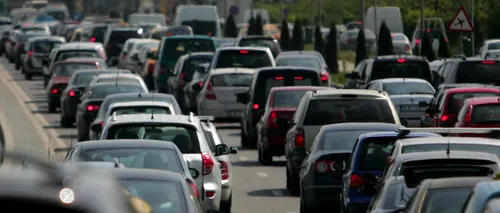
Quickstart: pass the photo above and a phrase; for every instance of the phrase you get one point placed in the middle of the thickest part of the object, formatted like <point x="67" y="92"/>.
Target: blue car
<point x="482" y="193"/>
<point x="368" y="160"/>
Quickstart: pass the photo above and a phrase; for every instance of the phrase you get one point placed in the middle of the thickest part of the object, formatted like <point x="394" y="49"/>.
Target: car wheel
<point x="265" y="156"/>
<point x="288" y="181"/>
<point x="18" y="65"/>
<point x="252" y="143"/>
<point x="225" y="206"/>
<point x="243" y="137"/>
<point x="28" y="76"/>
<point x="65" y="122"/>
<point x="292" y="183"/>
<point x="52" y="107"/>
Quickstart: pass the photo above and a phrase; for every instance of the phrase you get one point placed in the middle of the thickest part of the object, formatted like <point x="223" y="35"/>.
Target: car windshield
<point x="84" y="78"/>
<point x="457" y="99"/>
<point x="78" y="54"/>
<point x="487" y="72"/>
<point x="163" y="196"/>
<point x="185" y="137"/>
<point x="144" y="158"/>
<point x="494" y="46"/>
<point x="173" y="49"/>
<point x="121" y="36"/>
<point x="243" y="58"/>
<point x="407" y="88"/>
<point x="374" y="152"/>
<point x="101" y="91"/>
<point x="141" y="110"/>
<point x="486" y="114"/>
<point x="401" y="68"/>
<point x="340" y="140"/>
<point x="473" y="147"/>
<point x="231" y="80"/>
<point x="329" y="111"/>
<point x="45" y="46"/>
<point x="287" y="99"/>
<point x="439" y="200"/>
<point x="300" y="62"/>
<point x="58" y="15"/>
<point x="67" y="69"/>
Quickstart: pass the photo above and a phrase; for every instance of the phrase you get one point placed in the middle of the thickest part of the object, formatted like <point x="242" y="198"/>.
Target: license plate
<point x="233" y="113"/>
<point x="411" y="108"/>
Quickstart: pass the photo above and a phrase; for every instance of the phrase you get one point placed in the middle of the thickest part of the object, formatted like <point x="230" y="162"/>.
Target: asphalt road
<point x="24" y="116"/>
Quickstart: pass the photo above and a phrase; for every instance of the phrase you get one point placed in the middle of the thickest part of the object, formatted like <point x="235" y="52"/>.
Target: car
<point x="171" y="49"/>
<point x="91" y="100"/>
<point x="149" y="67"/>
<point x="96" y="33"/>
<point x="282" y="103"/>
<point x="99" y="120"/>
<point x="139" y="57"/>
<point x="392" y="66"/>
<point x="479" y="112"/>
<point x="90" y="63"/>
<point x="319" y="182"/>
<point x="306" y="52"/>
<point x="471" y="70"/>
<point x="10" y="45"/>
<point x="119" y="77"/>
<point x="481" y="194"/>
<point x="445" y="114"/>
<point x="433" y="33"/>
<point x="36" y="50"/>
<point x="187" y="133"/>
<point x="401" y="44"/>
<point x="114" y="39"/>
<point x="217" y="94"/>
<point x="214" y="139"/>
<point x="348" y="39"/>
<point x="139" y="107"/>
<point x="19" y="49"/>
<point x="368" y="157"/>
<point x="70" y="97"/>
<point x="393" y="196"/>
<point x="259" y="41"/>
<point x="304" y="60"/>
<point x="255" y="98"/>
<point x="488" y="45"/>
<point x="242" y="57"/>
<point x="60" y="74"/>
<point x="410" y="96"/>
<point x="126" y="59"/>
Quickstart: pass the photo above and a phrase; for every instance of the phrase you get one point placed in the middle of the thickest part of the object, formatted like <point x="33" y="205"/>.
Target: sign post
<point x="461" y="23"/>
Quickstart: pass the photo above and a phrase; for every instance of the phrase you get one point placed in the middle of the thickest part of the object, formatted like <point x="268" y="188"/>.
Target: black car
<point x="116" y="37"/>
<point x="260" y="41"/>
<point x="36" y="50"/>
<point x="70" y="97"/>
<point x="255" y="99"/>
<point x="18" y="50"/>
<point x="470" y="71"/>
<point x="96" y="33"/>
<point x="392" y="197"/>
<point x="91" y="100"/>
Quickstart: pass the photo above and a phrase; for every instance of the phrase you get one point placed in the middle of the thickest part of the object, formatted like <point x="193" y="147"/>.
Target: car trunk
<point x="195" y="161"/>
<point x="227" y="95"/>
<point x="408" y="105"/>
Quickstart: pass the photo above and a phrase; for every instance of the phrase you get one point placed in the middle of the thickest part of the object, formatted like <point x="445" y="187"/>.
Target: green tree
<point x="384" y="43"/>
<point x="259" y="29"/>
<point x="285" y="36"/>
<point x="114" y="14"/>
<point x="443" y="51"/>
<point x="230" y="31"/>
<point x="251" y="26"/>
<point x="331" y="50"/>
<point x="319" y="43"/>
<point x="297" y="36"/>
<point x="361" y="52"/>
<point x="426" y="48"/>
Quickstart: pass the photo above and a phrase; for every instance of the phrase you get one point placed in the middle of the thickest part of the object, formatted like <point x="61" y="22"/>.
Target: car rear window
<point x="119" y="79"/>
<point x="266" y="80"/>
<point x="456" y="100"/>
<point x="487" y="72"/>
<point x="486" y="114"/>
<point x="173" y="49"/>
<point x="191" y="64"/>
<point x="329" y="111"/>
<point x="179" y="30"/>
<point x="231" y="80"/>
<point x="59" y="15"/>
<point x="45" y="46"/>
<point x="287" y="99"/>
<point x="433" y="34"/>
<point x="99" y="32"/>
<point x="260" y="42"/>
<point x="300" y="62"/>
<point x="438" y="200"/>
<point x="473" y="147"/>
<point x="494" y="46"/>
<point x="405" y="88"/>
<point x="142" y="110"/>
<point x="121" y="36"/>
<point x="78" y="54"/>
<point x="243" y="58"/>
<point x="24" y="38"/>
<point x="184" y="136"/>
<point x="67" y="69"/>
<point x="83" y="78"/>
<point x="202" y="27"/>
<point x="33" y="29"/>
<point x="340" y="140"/>
<point x="373" y="153"/>
<point x="454" y="167"/>
<point x="398" y="37"/>
<point x="401" y="68"/>
<point x="101" y="91"/>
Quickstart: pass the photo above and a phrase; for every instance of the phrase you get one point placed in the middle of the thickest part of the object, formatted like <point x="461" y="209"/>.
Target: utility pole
<point x="473" y="25"/>
<point x="362" y="14"/>
<point x="313" y="11"/>
<point x="421" y="24"/>
<point x="320" y="14"/>
<point x="375" y="20"/>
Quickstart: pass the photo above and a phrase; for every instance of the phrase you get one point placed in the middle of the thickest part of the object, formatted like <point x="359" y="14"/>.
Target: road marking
<point x="243" y="158"/>
<point x="277" y="193"/>
<point x="22" y="99"/>
<point x="262" y="175"/>
<point x="7" y="132"/>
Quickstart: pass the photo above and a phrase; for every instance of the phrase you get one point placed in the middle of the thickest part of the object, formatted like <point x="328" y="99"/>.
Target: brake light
<point x="444" y="118"/>
<point x="356" y="181"/>
<point x="255" y="106"/>
<point x="428" y="30"/>
<point x="224" y="169"/>
<point x="278" y="78"/>
<point x="272" y="120"/>
<point x="181" y="80"/>
<point x="324" y="76"/>
<point x="401" y="60"/>
<point x="151" y="68"/>
<point x="244" y="52"/>
<point x="488" y="62"/>
<point x="93" y="39"/>
<point x="193" y="186"/>
<point x="55" y="91"/>
<point x="30" y="53"/>
<point x="209" y="92"/>
<point x="101" y="123"/>
<point x="324" y="166"/>
<point x="71" y="93"/>
<point x="299" y="78"/>
<point x="208" y="163"/>
<point x="417" y="41"/>
<point x="92" y="108"/>
<point x="467" y="117"/>
<point x="300" y="140"/>
<point x="209" y="194"/>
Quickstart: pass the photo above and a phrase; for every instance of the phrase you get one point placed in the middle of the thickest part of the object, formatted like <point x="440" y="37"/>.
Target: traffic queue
<point x="400" y="137"/>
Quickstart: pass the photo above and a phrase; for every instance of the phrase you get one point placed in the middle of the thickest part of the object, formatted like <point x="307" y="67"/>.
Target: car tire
<point x="65" y="122"/>
<point x="225" y="206"/>
<point x="28" y="76"/>
<point x="303" y="208"/>
<point x="11" y="60"/>
<point x="18" y="65"/>
<point x="244" y="139"/>
<point x="292" y="182"/>
<point x="52" y="107"/>
<point x="265" y="157"/>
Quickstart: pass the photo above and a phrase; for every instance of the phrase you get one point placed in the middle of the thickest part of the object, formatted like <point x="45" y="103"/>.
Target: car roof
<point x="198" y="54"/>
<point x="188" y="36"/>
<point x="97" y="84"/>
<point x="395" y="134"/>
<point x="126" y="143"/>
<point x="141" y="103"/>
<point x="327" y="93"/>
<point x="361" y="126"/>
<point x="455" y="182"/>
<point x="451" y="140"/>
<point x="257" y="36"/>
<point x="158" y="118"/>
<point x="80" y="46"/>
<point x="228" y="48"/>
<point x="472" y="89"/>
<point x="47" y="38"/>
<point x="445" y="86"/>
<point x="103" y="71"/>
<point x="284" y="68"/>
<point x="392" y="57"/>
<point x="147" y="174"/>
<point x="232" y="70"/>
<point x="301" y="52"/>
<point x="114" y="75"/>
<point x="418" y="156"/>
<point x="145" y="95"/>
<point x="392" y="80"/>
<point x="297" y="56"/>
<point x="80" y="60"/>
<point x="294" y="88"/>
<point x="483" y="100"/>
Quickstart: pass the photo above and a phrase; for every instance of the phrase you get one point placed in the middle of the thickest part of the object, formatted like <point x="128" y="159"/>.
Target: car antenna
<point x="116" y="79"/>
<point x="448" y="144"/>
<point x="152" y="101"/>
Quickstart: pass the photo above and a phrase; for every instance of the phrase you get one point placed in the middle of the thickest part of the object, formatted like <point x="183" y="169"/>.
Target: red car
<point x="282" y="102"/>
<point x="445" y="112"/>
<point x="483" y="112"/>
<point x="61" y="73"/>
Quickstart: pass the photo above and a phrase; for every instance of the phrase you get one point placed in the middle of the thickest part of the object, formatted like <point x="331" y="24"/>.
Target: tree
<point x="331" y="50"/>
<point x="384" y="43"/>
<point x="443" y="51"/>
<point x="319" y="43"/>
<point x="426" y="48"/>
<point x="251" y="26"/>
<point x="231" y="31"/>
<point x="114" y="14"/>
<point x="259" y="29"/>
<point x="285" y="36"/>
<point x="297" y="36"/>
<point x="361" y="52"/>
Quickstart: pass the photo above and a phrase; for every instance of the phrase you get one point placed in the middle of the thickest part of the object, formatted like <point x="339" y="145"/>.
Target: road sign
<point x="234" y="10"/>
<point x="461" y="22"/>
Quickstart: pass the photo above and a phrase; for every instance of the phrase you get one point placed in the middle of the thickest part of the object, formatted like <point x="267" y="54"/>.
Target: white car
<point x="150" y="107"/>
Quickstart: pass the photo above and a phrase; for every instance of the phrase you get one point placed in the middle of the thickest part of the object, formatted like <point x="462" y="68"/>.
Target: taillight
<point x="101" y="123"/>
<point x="255" y="106"/>
<point x="209" y="92"/>
<point x="208" y="163"/>
<point x="300" y="140"/>
<point x="243" y="52"/>
<point x="417" y="41"/>
<point x="55" y="91"/>
<point x="71" y="93"/>
<point x="401" y="60"/>
<point x="324" y="76"/>
<point x="30" y="53"/>
<point x="325" y="166"/>
<point x="92" y="108"/>
<point x="151" y="68"/>
<point x="224" y="170"/>
<point x="444" y="118"/>
<point x="271" y="122"/>
<point x="488" y="62"/>
<point x="181" y="80"/>
<point x="193" y="186"/>
<point x="93" y="39"/>
<point x="209" y="194"/>
<point x="467" y="117"/>
<point x="356" y="181"/>
<point x="407" y="48"/>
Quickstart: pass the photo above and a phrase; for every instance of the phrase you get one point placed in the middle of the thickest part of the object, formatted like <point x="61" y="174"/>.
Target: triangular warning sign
<point x="461" y="22"/>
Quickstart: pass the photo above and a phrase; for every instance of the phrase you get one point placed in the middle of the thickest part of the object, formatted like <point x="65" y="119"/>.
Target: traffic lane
<point x="38" y="95"/>
<point x="257" y="188"/>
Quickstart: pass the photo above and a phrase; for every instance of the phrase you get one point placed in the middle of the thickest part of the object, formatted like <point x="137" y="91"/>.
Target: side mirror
<point x="194" y="173"/>
<point x="368" y="189"/>
<point x="96" y="127"/>
<point x="403" y="121"/>
<point x="234" y="150"/>
<point x="242" y="98"/>
<point x="282" y="122"/>
<point x="197" y="87"/>
<point x="222" y="149"/>
<point x="423" y="104"/>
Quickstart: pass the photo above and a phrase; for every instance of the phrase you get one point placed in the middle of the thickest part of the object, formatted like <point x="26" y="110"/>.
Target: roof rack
<point x="206" y="118"/>
<point x="493" y="132"/>
<point x="191" y="116"/>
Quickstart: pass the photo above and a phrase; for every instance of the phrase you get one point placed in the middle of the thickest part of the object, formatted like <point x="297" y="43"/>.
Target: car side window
<point x="461" y="114"/>
<point x="441" y="69"/>
<point x="176" y="67"/>
<point x="411" y="202"/>
<point x="300" y="108"/>
<point x="359" y="68"/>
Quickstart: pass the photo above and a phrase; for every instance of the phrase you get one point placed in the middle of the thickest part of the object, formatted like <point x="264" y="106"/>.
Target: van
<point x="203" y="19"/>
<point x="390" y="15"/>
<point x="152" y="18"/>
<point x="58" y="11"/>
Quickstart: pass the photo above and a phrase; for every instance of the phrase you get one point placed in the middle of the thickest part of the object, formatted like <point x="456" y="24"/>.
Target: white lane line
<point x="277" y="193"/>
<point x="262" y="175"/>
<point x="243" y="158"/>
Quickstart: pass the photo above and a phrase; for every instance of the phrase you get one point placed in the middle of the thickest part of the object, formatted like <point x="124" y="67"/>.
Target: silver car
<point x="217" y="96"/>
<point x="407" y="95"/>
<point x="401" y="44"/>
